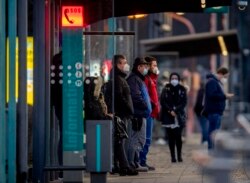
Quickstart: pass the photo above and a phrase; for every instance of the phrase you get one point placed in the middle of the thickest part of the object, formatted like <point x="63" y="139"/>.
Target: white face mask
<point x="145" y="72"/>
<point x="156" y="71"/>
<point x="224" y="80"/>
<point x="126" y="68"/>
<point x="174" y="82"/>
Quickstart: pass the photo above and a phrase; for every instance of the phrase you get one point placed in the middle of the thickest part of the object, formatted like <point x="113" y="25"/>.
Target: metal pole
<point x="22" y="126"/>
<point x="47" y="78"/>
<point x="12" y="91"/>
<point x="39" y="115"/>
<point x="2" y="91"/>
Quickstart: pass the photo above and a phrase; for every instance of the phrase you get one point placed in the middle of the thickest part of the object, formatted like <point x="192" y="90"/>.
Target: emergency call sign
<point x="72" y="16"/>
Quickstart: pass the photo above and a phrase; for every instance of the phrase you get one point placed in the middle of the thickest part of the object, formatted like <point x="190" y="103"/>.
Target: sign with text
<point x="72" y="55"/>
<point x="72" y="16"/>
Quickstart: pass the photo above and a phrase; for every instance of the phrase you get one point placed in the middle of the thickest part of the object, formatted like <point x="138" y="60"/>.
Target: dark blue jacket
<point x="140" y="97"/>
<point x="215" y="98"/>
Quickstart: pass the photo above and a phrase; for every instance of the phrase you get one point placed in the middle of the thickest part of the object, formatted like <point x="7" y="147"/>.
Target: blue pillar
<point x="39" y="108"/>
<point x="2" y="91"/>
<point x="22" y="112"/>
<point x="244" y="35"/>
<point x="12" y="91"/>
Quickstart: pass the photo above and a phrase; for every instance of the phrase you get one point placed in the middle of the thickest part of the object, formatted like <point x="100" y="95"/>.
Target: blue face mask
<point x="145" y="72"/>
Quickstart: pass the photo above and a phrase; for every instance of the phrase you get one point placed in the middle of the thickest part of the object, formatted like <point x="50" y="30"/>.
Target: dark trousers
<point x="120" y="157"/>
<point x="174" y="140"/>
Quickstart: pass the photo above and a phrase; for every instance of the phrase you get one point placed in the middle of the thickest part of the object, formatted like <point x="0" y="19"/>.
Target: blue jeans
<point x="204" y="128"/>
<point x="214" y="124"/>
<point x="149" y="131"/>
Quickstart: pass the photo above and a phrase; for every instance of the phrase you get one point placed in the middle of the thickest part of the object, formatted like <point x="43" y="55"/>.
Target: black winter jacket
<point x="123" y="105"/>
<point x="173" y="99"/>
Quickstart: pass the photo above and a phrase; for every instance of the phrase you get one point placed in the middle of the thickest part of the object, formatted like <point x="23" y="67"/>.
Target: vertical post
<point x="47" y="78"/>
<point x="22" y="126"/>
<point x="2" y="91"/>
<point x="39" y="118"/>
<point x="72" y="55"/>
<point x="12" y="91"/>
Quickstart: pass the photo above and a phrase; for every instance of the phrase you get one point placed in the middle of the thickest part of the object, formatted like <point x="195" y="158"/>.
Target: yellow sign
<point x="29" y="70"/>
<point x="72" y="16"/>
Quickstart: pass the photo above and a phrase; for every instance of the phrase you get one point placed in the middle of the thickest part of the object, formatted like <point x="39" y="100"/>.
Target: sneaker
<point x="140" y="168"/>
<point x="160" y="142"/>
<point x="60" y="179"/>
<point x="150" y="168"/>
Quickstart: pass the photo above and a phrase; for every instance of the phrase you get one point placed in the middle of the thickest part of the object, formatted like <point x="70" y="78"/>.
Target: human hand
<point x="173" y="113"/>
<point x="229" y="95"/>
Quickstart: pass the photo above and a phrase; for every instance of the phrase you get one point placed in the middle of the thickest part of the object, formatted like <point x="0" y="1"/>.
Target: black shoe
<point x="115" y="170"/>
<point x="128" y="171"/>
<point x="180" y="159"/>
<point x="173" y="160"/>
<point x="131" y="171"/>
<point x="150" y="168"/>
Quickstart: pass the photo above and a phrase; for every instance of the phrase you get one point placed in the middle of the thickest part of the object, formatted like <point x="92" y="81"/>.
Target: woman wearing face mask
<point x="173" y="102"/>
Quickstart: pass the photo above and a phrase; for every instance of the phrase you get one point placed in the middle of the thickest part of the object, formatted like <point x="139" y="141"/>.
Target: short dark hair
<point x="174" y="74"/>
<point x="223" y="70"/>
<point x="117" y="58"/>
<point x="139" y="61"/>
<point x="149" y="59"/>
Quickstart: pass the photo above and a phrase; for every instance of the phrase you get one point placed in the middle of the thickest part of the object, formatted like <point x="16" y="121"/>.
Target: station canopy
<point x="198" y="44"/>
<point x="95" y="10"/>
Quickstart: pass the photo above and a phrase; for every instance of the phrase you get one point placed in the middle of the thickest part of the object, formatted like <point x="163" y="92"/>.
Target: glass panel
<point x="77" y="73"/>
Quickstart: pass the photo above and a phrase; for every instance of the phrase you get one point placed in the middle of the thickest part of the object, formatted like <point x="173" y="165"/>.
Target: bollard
<point x="98" y="149"/>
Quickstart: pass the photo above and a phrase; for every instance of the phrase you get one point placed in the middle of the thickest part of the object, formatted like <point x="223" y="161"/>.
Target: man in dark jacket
<point x="215" y="100"/>
<point x="123" y="108"/>
<point x="198" y="107"/>
<point x="142" y="110"/>
<point x="56" y="101"/>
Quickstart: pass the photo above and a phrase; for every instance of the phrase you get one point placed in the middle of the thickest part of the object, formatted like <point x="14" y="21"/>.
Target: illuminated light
<point x="72" y="16"/>
<point x="180" y="13"/>
<point x="203" y="3"/>
<point x="30" y="43"/>
<point x="222" y="46"/>
<point x="137" y="16"/>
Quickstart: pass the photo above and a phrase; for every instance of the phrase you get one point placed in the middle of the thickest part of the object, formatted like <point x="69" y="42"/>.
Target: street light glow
<point x="222" y="46"/>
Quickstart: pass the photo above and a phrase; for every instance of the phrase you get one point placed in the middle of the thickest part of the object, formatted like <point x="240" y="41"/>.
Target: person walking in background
<point x="56" y="102"/>
<point x="198" y="107"/>
<point x="215" y="101"/>
<point x="142" y="110"/>
<point x="151" y="83"/>
<point x="173" y="116"/>
<point x="123" y="108"/>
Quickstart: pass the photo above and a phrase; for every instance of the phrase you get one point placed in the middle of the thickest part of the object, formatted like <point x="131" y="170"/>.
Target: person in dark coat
<point x="142" y="110"/>
<point x="198" y="107"/>
<point x="56" y="102"/>
<point x="173" y="116"/>
<point x="123" y="108"/>
<point x="215" y="101"/>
